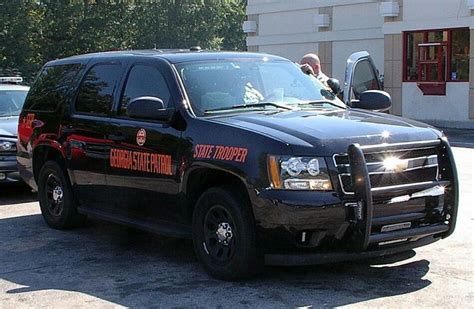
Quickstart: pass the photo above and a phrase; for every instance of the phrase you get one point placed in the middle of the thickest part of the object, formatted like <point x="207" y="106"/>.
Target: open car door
<point x="361" y="75"/>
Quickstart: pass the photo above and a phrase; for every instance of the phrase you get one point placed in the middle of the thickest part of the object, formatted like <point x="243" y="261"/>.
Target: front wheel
<point x="224" y="235"/>
<point x="56" y="199"/>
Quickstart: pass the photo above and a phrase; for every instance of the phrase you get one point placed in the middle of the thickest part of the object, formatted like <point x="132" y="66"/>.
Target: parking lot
<point x="107" y="265"/>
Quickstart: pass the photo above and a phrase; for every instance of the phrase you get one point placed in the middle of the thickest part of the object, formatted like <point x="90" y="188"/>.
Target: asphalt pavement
<point x="107" y="265"/>
<point x="460" y="137"/>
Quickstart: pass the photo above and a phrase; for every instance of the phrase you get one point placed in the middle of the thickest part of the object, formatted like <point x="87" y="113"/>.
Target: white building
<point x="422" y="47"/>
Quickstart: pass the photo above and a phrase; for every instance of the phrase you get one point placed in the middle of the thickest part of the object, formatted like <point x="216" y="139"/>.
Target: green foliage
<point x="34" y="32"/>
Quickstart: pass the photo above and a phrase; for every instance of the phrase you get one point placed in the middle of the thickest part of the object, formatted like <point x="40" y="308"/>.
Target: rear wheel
<point x="56" y="199"/>
<point x="224" y="235"/>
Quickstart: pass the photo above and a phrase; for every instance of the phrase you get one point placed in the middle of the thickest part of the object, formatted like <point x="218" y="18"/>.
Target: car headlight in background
<point x="298" y="173"/>
<point x="7" y="146"/>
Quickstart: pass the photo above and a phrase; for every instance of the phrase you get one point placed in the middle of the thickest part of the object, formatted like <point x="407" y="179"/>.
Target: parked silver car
<point x="12" y="97"/>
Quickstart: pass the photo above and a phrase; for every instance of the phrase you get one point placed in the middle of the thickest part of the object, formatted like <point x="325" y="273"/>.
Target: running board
<point x="158" y="227"/>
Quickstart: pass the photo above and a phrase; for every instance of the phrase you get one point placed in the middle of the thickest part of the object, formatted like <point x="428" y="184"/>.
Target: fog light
<point x="3" y="176"/>
<point x="308" y="184"/>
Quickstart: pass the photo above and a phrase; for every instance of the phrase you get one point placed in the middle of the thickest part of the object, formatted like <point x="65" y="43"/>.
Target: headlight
<point x="298" y="173"/>
<point x="7" y="146"/>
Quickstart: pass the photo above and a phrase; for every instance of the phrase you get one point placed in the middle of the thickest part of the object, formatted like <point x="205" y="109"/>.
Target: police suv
<point x="12" y="97"/>
<point x="254" y="160"/>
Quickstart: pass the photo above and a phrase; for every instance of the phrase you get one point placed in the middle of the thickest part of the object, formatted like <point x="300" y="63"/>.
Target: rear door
<point x="86" y="130"/>
<point x="145" y="155"/>
<point x="361" y="75"/>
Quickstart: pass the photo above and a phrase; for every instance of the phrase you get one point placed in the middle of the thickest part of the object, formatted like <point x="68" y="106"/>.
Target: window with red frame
<point x="436" y="55"/>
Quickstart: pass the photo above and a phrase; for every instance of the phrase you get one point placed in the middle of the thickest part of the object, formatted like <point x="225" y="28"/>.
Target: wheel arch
<point x="200" y="179"/>
<point x="44" y="153"/>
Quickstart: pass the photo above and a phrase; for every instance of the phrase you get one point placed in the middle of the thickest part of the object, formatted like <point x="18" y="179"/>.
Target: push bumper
<point x="305" y="259"/>
<point x="304" y="221"/>
<point x="363" y="194"/>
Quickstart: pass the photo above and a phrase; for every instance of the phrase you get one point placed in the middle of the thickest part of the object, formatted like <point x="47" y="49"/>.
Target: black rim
<point x="54" y="195"/>
<point x="219" y="234"/>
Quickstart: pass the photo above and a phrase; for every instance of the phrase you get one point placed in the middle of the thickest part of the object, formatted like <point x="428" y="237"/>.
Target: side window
<point x="144" y="80"/>
<point x="51" y="87"/>
<point x="364" y="78"/>
<point x="96" y="93"/>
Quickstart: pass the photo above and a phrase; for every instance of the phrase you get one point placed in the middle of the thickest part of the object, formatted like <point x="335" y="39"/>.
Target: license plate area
<point x="395" y="227"/>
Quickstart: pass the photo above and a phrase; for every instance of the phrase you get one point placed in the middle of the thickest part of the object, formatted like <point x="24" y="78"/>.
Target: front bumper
<point x="304" y="259"/>
<point x="300" y="226"/>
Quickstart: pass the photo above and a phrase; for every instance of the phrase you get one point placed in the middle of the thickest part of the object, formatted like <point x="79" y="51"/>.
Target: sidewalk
<point x="460" y="137"/>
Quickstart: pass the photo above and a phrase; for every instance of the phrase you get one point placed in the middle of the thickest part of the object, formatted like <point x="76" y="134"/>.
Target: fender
<point x="223" y="168"/>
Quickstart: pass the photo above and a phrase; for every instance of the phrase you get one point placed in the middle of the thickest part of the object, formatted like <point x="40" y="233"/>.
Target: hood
<point x="326" y="133"/>
<point x="8" y="126"/>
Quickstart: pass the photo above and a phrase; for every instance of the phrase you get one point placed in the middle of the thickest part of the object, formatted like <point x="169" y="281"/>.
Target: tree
<point x="35" y="32"/>
<point x="19" y="54"/>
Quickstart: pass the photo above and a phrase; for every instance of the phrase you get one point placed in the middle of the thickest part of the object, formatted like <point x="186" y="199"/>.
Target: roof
<point x="11" y="87"/>
<point x="173" y="56"/>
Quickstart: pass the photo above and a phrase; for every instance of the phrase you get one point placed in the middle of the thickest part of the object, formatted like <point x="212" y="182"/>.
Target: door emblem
<point x="141" y="137"/>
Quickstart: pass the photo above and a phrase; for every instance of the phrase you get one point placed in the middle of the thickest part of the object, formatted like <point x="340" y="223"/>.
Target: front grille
<point x="392" y="167"/>
<point x="8" y="156"/>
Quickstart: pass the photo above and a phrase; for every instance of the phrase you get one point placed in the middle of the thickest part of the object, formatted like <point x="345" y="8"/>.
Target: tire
<point x="224" y="235"/>
<point x="56" y="199"/>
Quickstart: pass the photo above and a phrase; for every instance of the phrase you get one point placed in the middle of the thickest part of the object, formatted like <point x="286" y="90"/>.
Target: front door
<point x="361" y="75"/>
<point x="142" y="169"/>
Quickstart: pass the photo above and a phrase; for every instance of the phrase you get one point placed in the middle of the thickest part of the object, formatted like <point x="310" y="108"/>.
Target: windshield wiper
<point x="321" y="102"/>
<point x="259" y="104"/>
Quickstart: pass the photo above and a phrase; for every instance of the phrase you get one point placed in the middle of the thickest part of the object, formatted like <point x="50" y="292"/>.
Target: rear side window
<point x="52" y="87"/>
<point x="96" y="93"/>
<point x="144" y="81"/>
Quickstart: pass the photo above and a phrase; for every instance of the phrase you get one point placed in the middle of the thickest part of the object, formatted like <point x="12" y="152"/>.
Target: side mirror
<point x="375" y="100"/>
<point x="334" y="85"/>
<point x="149" y="108"/>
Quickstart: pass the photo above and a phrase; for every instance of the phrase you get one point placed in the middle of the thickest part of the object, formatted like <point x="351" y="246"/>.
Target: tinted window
<point x="96" y="93"/>
<point x="460" y="53"/>
<point x="144" y="81"/>
<point x="364" y="78"/>
<point x="51" y="87"/>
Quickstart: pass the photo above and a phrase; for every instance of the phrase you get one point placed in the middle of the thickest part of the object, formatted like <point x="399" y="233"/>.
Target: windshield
<point x="243" y="85"/>
<point x="11" y="102"/>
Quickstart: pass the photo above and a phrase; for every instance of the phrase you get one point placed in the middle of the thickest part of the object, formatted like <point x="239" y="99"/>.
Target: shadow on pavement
<point x="134" y="268"/>
<point x="17" y="193"/>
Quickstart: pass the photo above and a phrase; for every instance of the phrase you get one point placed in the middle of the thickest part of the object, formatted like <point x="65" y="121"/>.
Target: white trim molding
<point x="332" y="36"/>
<point x="322" y="20"/>
<point x="249" y="26"/>
<point x="295" y="5"/>
<point x="399" y="27"/>
<point x="470" y="4"/>
<point x="389" y="9"/>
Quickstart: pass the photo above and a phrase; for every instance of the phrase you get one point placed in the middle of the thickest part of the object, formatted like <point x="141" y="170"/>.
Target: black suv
<point x="254" y="160"/>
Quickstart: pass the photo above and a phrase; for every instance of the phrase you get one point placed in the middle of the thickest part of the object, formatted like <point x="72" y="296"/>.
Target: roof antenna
<point x="154" y="46"/>
<point x="195" y="48"/>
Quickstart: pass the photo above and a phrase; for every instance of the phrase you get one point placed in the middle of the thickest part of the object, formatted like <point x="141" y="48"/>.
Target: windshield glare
<point x="220" y="85"/>
<point x="11" y="102"/>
